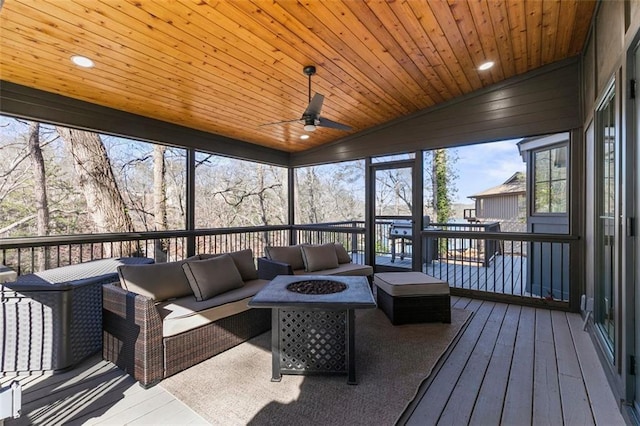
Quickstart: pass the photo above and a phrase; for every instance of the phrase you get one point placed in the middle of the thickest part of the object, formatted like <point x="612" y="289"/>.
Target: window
<point x="550" y="180"/>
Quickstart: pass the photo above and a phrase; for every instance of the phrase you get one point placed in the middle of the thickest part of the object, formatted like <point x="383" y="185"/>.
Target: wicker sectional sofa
<point x="307" y="259"/>
<point x="163" y="318"/>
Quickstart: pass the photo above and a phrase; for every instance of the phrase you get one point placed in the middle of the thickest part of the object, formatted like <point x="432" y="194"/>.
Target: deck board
<point x="445" y="381"/>
<point x="546" y="391"/>
<point x="519" y="397"/>
<point x="603" y="404"/>
<point x="463" y="398"/>
<point x="488" y="407"/>
<point x="575" y="403"/>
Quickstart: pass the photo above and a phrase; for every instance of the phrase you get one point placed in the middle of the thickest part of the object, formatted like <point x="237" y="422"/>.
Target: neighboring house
<point x="505" y="203"/>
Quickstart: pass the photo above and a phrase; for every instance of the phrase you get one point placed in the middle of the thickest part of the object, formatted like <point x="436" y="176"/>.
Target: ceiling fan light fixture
<point x="309" y="127"/>
<point x="485" y="66"/>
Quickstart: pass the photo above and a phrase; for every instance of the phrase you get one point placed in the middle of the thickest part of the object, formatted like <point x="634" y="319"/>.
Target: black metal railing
<point x="33" y="254"/>
<point x="470" y="257"/>
<point x="535" y="266"/>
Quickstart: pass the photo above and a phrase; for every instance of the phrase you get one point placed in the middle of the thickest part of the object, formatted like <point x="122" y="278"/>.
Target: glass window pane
<point x="542" y="166"/>
<point x="559" y="163"/>
<point x="397" y="157"/>
<point x="541" y="201"/>
<point x="559" y="196"/>
<point x="231" y="192"/>
<point x="330" y="193"/>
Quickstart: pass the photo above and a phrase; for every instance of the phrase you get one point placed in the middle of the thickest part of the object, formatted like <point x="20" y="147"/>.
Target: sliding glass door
<point x="607" y="238"/>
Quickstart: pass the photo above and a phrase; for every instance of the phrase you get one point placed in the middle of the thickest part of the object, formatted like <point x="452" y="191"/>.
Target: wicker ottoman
<point x="413" y="297"/>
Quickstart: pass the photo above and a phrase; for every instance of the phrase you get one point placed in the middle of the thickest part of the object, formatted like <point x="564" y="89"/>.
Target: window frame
<point x="549" y="181"/>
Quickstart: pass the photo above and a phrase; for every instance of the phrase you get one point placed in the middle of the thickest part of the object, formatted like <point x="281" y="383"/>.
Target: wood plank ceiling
<point x="229" y="67"/>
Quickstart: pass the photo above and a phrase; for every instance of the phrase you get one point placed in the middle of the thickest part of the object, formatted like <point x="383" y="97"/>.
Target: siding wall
<point x="503" y="207"/>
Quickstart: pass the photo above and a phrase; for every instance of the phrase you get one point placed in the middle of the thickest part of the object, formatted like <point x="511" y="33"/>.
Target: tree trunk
<point x="440" y="189"/>
<point x="95" y="177"/>
<point x="160" y="201"/>
<point x="434" y="185"/>
<point x="40" y="190"/>
<point x="263" y="204"/>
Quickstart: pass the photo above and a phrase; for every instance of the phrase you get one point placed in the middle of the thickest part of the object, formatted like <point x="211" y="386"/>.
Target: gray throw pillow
<point x="211" y="277"/>
<point x="317" y="258"/>
<point x="158" y="281"/>
<point x="341" y="252"/>
<point x="243" y="260"/>
<point x="286" y="254"/>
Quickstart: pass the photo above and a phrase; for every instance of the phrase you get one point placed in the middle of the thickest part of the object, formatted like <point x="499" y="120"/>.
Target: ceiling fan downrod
<point x="309" y="70"/>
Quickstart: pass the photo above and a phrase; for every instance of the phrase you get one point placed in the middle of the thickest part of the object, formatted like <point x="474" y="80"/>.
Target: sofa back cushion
<point x="341" y="252"/>
<point x="243" y="260"/>
<point x="319" y="257"/>
<point x="158" y="281"/>
<point x="286" y="254"/>
<point x="211" y="277"/>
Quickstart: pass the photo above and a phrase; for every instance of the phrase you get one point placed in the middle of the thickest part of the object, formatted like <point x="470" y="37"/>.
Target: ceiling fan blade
<point x="280" y="122"/>
<point x="314" y="107"/>
<point x="325" y="122"/>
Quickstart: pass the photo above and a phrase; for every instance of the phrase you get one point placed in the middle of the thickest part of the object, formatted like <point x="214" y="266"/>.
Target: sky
<point x="484" y="166"/>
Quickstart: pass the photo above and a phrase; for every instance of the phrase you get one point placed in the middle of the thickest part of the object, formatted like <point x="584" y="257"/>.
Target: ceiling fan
<point x="311" y="116"/>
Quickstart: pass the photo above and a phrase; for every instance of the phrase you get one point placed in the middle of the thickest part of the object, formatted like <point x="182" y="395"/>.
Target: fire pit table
<point x="313" y="323"/>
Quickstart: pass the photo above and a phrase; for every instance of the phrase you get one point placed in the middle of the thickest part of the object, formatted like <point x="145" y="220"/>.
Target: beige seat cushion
<point x="410" y="284"/>
<point x="346" y="269"/>
<point x="319" y="257"/>
<point x="243" y="260"/>
<point x="291" y="255"/>
<point x="158" y="281"/>
<point x="186" y="313"/>
<point x="211" y="277"/>
<point x="341" y="252"/>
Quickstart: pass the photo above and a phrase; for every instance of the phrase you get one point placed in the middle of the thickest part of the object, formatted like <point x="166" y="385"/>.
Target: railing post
<point x="291" y="195"/>
<point x="191" y="201"/>
<point x="354" y="239"/>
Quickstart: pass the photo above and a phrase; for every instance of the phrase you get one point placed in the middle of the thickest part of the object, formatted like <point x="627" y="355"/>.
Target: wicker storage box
<point x="53" y="319"/>
<point x="413" y="297"/>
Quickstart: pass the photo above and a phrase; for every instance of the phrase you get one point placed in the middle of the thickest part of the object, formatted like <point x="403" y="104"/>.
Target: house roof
<point x="229" y="68"/>
<point x="516" y="184"/>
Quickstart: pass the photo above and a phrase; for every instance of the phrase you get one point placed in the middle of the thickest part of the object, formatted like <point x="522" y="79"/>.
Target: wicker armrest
<point x="132" y="334"/>
<point x="269" y="269"/>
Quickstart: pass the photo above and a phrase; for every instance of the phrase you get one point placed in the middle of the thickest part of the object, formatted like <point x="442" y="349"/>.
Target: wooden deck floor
<point x="516" y="365"/>
<point x="503" y="275"/>
<point x="97" y="393"/>
<point x="511" y="365"/>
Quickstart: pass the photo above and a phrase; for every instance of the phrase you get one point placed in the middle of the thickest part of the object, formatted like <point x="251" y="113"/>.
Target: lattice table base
<point x="313" y="342"/>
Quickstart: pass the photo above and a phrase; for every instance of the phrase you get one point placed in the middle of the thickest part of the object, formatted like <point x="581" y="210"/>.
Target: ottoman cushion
<point x="410" y="284"/>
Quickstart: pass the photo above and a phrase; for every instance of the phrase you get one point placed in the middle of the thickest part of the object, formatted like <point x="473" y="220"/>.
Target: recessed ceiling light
<point x="485" y="66"/>
<point x="82" y="61"/>
<point x="304" y="136"/>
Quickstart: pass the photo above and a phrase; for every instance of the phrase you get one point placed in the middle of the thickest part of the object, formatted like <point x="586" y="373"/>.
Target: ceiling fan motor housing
<point x="309" y="124"/>
<point x="309" y="70"/>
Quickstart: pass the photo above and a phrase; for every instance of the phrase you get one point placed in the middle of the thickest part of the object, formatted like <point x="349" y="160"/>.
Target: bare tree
<point x="39" y="188"/>
<point x="160" y="200"/>
<point x="95" y="176"/>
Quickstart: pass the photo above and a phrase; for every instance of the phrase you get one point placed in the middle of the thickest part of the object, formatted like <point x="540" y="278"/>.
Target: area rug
<point x="234" y="388"/>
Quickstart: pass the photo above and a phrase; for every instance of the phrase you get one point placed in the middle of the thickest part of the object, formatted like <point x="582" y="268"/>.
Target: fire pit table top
<point x="356" y="295"/>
